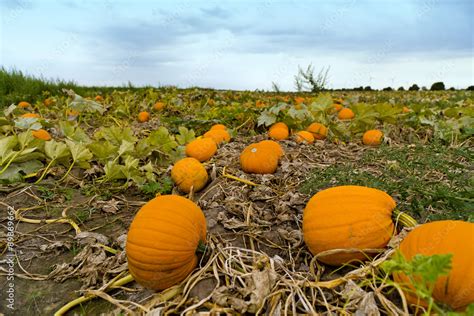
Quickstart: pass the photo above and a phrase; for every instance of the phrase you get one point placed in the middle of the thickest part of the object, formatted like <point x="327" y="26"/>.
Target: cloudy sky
<point x="240" y="44"/>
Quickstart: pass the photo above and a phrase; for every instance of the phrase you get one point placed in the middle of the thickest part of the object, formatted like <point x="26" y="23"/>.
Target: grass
<point x="430" y="181"/>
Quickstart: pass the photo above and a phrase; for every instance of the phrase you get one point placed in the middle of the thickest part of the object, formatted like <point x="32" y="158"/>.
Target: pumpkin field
<point x="165" y="201"/>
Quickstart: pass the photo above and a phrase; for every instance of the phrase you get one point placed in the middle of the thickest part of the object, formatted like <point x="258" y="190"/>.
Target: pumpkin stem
<point x="201" y="248"/>
<point x="405" y="219"/>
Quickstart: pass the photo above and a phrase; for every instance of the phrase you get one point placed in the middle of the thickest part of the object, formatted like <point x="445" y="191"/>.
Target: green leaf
<point x="162" y="141"/>
<point x="17" y="171"/>
<point x="28" y="123"/>
<point x="84" y="105"/>
<point x="115" y="135"/>
<point x="113" y="171"/>
<point x="7" y="144"/>
<point x="185" y="135"/>
<point x="266" y="118"/>
<point x="126" y="147"/>
<point x="103" y="150"/>
<point x="56" y="150"/>
<point x="79" y="152"/>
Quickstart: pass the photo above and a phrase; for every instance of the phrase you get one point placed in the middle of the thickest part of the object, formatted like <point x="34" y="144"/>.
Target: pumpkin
<point x="274" y="146"/>
<point x="279" y="125"/>
<point x="372" y="137"/>
<point x="218" y="135"/>
<point x="299" y="100"/>
<point x="278" y="133"/>
<point x="352" y="218"/>
<point x="218" y="126"/>
<point x="24" y="104"/>
<point x="258" y="158"/>
<point x="48" y="102"/>
<point x="163" y="239"/>
<point x="41" y="134"/>
<point x="202" y="149"/>
<point x="304" y="136"/>
<point x="318" y="130"/>
<point x="31" y="115"/>
<point x="143" y="117"/>
<point x="406" y="110"/>
<point x="443" y="237"/>
<point x="189" y="173"/>
<point x="260" y="104"/>
<point x="159" y="106"/>
<point x="337" y="107"/>
<point x="345" y="114"/>
<point x="99" y="98"/>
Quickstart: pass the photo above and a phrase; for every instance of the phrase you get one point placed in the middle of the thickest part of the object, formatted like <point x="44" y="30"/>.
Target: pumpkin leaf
<point x="102" y="151"/>
<point x="161" y="140"/>
<point x="116" y="135"/>
<point x="56" y="150"/>
<point x="80" y="153"/>
<point x="17" y="171"/>
<point x="185" y="135"/>
<point x="84" y="105"/>
<point x="266" y="118"/>
<point x="28" y="123"/>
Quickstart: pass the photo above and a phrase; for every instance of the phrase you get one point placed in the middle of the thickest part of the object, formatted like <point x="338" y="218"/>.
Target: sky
<point x="241" y="45"/>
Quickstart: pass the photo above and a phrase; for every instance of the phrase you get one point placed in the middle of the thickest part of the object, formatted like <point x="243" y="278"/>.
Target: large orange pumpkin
<point x="318" y="130"/>
<point x="24" y="104"/>
<point x="30" y="115"/>
<point x="279" y="133"/>
<point x="304" y="137"/>
<point x="218" y="135"/>
<point x="274" y="146"/>
<point x="444" y="237"/>
<point x="372" y="137"/>
<point x="351" y="218"/>
<point x="278" y="125"/>
<point x="202" y="149"/>
<point x="41" y="134"/>
<point x="345" y="114"/>
<point x="163" y="239"/>
<point x="218" y="126"/>
<point x="189" y="173"/>
<point x="257" y="158"/>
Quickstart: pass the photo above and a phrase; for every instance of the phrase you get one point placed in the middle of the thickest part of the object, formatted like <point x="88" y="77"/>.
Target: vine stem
<point x="237" y="178"/>
<point x="67" y="172"/>
<point x="45" y="171"/>
<point x="126" y="279"/>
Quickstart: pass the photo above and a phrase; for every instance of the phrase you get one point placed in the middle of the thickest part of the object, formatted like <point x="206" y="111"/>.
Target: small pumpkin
<point x="278" y="133"/>
<point x="304" y="136"/>
<point x="351" y="218"/>
<point x="202" y="149"/>
<point x="345" y="114"/>
<point x="189" y="173"/>
<point x="274" y="146"/>
<point x="406" y="110"/>
<point x="99" y="98"/>
<point x="279" y="125"/>
<point x="24" y="104"/>
<point x="260" y="159"/>
<point x="443" y="237"/>
<point x="218" y="135"/>
<point x="318" y="130"/>
<point x="218" y="126"/>
<point x="372" y="137"/>
<point x="41" y="134"/>
<point x="337" y="107"/>
<point x="299" y="100"/>
<point x="48" y="102"/>
<point x="30" y="115"/>
<point x="260" y="104"/>
<point x="163" y="239"/>
<point x="143" y="117"/>
<point x="159" y="106"/>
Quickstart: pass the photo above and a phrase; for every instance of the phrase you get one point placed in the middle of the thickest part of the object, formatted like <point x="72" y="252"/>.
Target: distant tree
<point x="452" y="89"/>
<point x="387" y="89"/>
<point x="470" y="88"/>
<point x="368" y="88"/>
<point x="414" y="87"/>
<point x="306" y="80"/>
<point x="401" y="89"/>
<point x="359" y="89"/>
<point x="437" y="86"/>
<point x="424" y="88"/>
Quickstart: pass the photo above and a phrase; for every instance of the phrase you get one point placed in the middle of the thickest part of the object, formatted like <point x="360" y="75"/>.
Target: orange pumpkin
<point x="218" y="126"/>
<point x="299" y="100"/>
<point x="159" y="106"/>
<point x="278" y="133"/>
<point x="372" y="137"/>
<point x="318" y="130"/>
<point x="260" y="104"/>
<point x="31" y="115"/>
<point x="350" y="218"/>
<point x="202" y="149"/>
<point x="443" y="237"/>
<point x="337" y="107"/>
<point x="304" y="136"/>
<point x="279" y="125"/>
<point x="163" y="239"/>
<point x="257" y="158"/>
<point x="218" y="135"/>
<point x="41" y="134"/>
<point x="345" y="114"/>
<point x="406" y="110"/>
<point x="24" y="104"/>
<point x="48" y="102"/>
<point x="189" y="173"/>
<point x="274" y="146"/>
<point x="143" y="117"/>
<point x="99" y="98"/>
